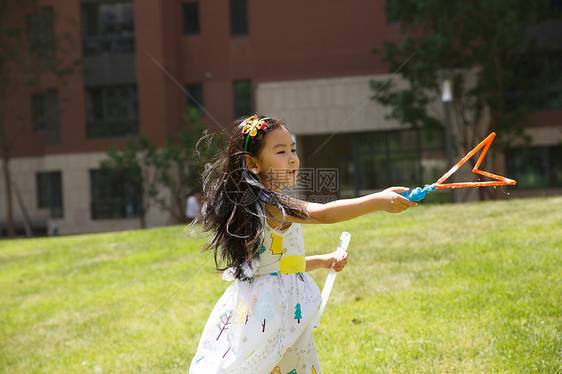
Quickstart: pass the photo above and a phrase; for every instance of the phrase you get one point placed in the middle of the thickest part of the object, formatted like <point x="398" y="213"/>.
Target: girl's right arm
<point x="333" y="260"/>
<point x="389" y="200"/>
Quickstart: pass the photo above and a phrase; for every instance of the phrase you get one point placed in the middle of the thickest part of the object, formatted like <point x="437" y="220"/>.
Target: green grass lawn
<point x="469" y="288"/>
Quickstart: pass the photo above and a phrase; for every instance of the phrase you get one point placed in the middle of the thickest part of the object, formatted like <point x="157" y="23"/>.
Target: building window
<point x="238" y="17"/>
<point x="114" y="195"/>
<point x="540" y="86"/>
<point x="552" y="89"/>
<point x="38" y="112"/>
<point x="194" y="96"/>
<point x="242" y="98"/>
<point x="41" y="28"/>
<point x="190" y="18"/>
<point x="392" y="12"/>
<point x="45" y="111"/>
<point x="386" y="158"/>
<point x="556" y="4"/>
<point x="535" y="167"/>
<point x="108" y="27"/>
<point x="112" y="111"/>
<point x="49" y="193"/>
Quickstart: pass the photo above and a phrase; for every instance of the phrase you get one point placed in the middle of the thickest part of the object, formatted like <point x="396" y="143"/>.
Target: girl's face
<point x="277" y="163"/>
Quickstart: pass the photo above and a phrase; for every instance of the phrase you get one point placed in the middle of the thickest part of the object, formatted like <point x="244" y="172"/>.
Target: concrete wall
<point x="325" y="106"/>
<point x="75" y="170"/>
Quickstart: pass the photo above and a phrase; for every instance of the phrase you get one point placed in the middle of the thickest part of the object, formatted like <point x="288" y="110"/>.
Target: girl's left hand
<point x="336" y="260"/>
<point x="393" y="201"/>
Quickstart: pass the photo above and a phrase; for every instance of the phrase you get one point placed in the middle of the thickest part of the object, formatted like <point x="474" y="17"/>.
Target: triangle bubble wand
<point x="418" y="193"/>
<point x="343" y="243"/>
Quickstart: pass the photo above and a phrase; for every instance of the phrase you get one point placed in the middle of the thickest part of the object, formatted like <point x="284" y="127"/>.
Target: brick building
<point x="308" y="62"/>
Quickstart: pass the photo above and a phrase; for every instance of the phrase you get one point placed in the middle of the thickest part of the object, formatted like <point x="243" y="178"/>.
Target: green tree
<point x="29" y="48"/>
<point x="490" y="51"/>
<point x="165" y="175"/>
<point x="134" y="162"/>
<point x="180" y="163"/>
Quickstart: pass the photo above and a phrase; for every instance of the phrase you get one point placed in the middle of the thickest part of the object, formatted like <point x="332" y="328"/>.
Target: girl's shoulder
<point x="281" y="228"/>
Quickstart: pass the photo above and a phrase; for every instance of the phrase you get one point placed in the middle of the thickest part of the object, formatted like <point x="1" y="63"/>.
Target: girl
<point x="263" y="322"/>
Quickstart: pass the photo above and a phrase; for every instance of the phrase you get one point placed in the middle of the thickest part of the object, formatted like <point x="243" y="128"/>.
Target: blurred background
<point x="102" y="102"/>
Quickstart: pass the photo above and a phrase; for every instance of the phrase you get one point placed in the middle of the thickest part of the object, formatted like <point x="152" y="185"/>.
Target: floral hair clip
<point x="251" y="127"/>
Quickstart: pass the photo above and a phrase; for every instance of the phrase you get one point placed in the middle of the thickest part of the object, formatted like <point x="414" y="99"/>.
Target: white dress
<point x="263" y="324"/>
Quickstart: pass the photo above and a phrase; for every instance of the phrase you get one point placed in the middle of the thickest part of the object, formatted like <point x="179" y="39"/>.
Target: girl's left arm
<point x="326" y="261"/>
<point x="389" y="200"/>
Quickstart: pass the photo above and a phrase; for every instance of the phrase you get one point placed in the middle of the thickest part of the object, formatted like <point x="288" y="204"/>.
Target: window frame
<point x="243" y="106"/>
<point x="111" y="193"/>
<point x="189" y="29"/>
<point x="51" y="197"/>
<point x="239" y="19"/>
<point x="107" y="126"/>
<point x="194" y="96"/>
<point x="534" y="167"/>
<point x="42" y="37"/>
<point x="94" y="41"/>
<point x="45" y="113"/>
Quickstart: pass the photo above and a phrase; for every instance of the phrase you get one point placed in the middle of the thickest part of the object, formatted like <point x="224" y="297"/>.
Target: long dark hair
<point x="234" y="199"/>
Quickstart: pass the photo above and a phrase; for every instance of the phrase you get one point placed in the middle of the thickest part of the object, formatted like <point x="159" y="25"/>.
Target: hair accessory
<point x="251" y="127"/>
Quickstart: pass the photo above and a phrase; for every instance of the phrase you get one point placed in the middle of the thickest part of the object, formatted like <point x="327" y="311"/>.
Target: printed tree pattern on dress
<point x="298" y="314"/>
<point x="224" y="322"/>
<point x="264" y="309"/>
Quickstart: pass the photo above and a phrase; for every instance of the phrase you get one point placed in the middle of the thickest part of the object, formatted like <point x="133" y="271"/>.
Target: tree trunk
<point x="142" y="219"/>
<point x="8" y="188"/>
<point x="26" y="219"/>
<point x="492" y="161"/>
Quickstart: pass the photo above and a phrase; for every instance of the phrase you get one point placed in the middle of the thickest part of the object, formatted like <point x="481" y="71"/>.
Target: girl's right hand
<point x="336" y="260"/>
<point x="393" y="201"/>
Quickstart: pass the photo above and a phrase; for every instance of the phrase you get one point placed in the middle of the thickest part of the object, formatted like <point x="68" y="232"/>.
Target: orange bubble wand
<point x="418" y="193"/>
